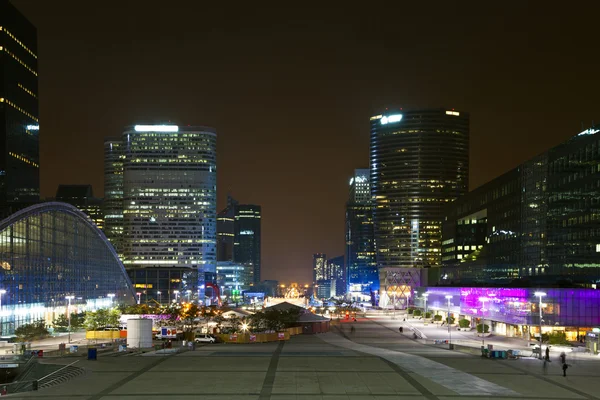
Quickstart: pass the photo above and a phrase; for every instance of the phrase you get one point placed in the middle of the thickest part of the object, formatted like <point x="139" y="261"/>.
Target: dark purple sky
<point x="290" y="88"/>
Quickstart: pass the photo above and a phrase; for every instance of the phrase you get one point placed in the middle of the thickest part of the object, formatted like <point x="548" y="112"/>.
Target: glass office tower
<point x="246" y="246"/>
<point x="169" y="209"/>
<point x="112" y="205"/>
<point x="419" y="162"/>
<point x="362" y="273"/>
<point x="19" y="111"/>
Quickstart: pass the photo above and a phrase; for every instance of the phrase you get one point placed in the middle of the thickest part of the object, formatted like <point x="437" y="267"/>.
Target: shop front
<point x="592" y="341"/>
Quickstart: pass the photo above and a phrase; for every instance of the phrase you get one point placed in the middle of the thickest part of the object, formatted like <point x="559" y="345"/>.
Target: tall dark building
<point x="114" y="155"/>
<point x="319" y="267"/>
<point x="419" y="162"/>
<point x="226" y="230"/>
<point x="82" y="197"/>
<point x="246" y="246"/>
<point x="360" y="246"/>
<point x="538" y="221"/>
<point x="336" y="268"/>
<point x="239" y="236"/>
<point x="19" y="111"/>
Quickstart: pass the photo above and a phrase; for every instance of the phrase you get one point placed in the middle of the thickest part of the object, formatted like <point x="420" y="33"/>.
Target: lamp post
<point x="159" y="293"/>
<point x="139" y="297"/>
<point x="69" y="298"/>
<point x="2" y="291"/>
<point x="425" y="295"/>
<point x="540" y="295"/>
<point x="483" y="300"/>
<point x="448" y="297"/>
<point x="111" y="296"/>
<point x="176" y="295"/>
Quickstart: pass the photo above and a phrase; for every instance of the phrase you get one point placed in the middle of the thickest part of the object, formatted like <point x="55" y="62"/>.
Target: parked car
<point x="205" y="339"/>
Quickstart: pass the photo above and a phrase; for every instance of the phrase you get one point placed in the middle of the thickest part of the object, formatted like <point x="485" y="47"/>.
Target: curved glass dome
<point x="48" y="252"/>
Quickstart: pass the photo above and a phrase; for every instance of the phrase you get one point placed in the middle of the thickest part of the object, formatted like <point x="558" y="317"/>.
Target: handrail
<point x="60" y="369"/>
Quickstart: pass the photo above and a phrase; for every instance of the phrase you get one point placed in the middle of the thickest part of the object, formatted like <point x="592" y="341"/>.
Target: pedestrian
<point x="564" y="367"/>
<point x="563" y="358"/>
<point x="547" y="353"/>
<point x="545" y="367"/>
<point x="352" y="329"/>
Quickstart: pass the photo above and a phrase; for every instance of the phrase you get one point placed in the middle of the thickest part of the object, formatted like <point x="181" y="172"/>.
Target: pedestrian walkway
<point x="455" y="380"/>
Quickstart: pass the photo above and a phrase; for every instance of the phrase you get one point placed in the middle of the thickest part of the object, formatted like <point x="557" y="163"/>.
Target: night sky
<point x="290" y="88"/>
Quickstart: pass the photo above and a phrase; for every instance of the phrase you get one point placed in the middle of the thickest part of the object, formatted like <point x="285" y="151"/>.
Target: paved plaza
<point x="373" y="362"/>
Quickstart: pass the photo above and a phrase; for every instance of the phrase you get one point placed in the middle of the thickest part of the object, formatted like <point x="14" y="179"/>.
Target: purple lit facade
<point x="517" y="306"/>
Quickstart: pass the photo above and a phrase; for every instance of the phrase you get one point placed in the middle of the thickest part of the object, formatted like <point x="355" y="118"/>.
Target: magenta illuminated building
<point x="514" y="311"/>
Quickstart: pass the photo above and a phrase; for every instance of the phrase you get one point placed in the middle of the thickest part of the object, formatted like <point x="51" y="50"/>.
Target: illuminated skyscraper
<point x="419" y="162"/>
<point x="319" y="267"/>
<point x="112" y="206"/>
<point x="82" y="197"/>
<point x="19" y="124"/>
<point x="169" y="209"/>
<point x="246" y="246"/>
<point x="360" y="246"/>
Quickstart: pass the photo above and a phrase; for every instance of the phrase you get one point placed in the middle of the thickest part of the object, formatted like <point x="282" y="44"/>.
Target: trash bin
<point x="401" y="329"/>
<point x="92" y="353"/>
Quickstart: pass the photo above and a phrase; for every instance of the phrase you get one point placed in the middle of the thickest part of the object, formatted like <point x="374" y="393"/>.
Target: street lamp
<point x="176" y="295"/>
<point x="69" y="298"/>
<point x="111" y="296"/>
<point x="2" y="291"/>
<point x="139" y="297"/>
<point x="483" y="300"/>
<point x="158" y="293"/>
<point x="425" y="295"/>
<point x="540" y="295"/>
<point x="448" y="297"/>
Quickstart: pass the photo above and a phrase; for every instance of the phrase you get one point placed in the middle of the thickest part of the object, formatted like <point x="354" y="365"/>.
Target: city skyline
<point x="270" y="117"/>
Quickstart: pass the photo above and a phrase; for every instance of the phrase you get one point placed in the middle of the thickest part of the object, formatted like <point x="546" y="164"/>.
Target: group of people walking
<point x="563" y="361"/>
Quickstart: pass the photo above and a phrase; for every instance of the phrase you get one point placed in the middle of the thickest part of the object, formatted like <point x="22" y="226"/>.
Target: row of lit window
<point x="10" y="103"/>
<point x="17" y="59"/>
<point x="18" y="41"/>
<point x="25" y="160"/>
<point x="29" y="92"/>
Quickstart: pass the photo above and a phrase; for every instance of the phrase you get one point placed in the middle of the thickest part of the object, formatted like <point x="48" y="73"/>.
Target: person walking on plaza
<point x="563" y="358"/>
<point x="564" y="367"/>
<point x="547" y="353"/>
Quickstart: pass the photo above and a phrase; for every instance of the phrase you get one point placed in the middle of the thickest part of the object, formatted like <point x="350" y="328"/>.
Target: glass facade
<point x="233" y="278"/>
<point x="169" y="209"/>
<point x="19" y="111"/>
<point x="112" y="205"/>
<point x="360" y="245"/>
<point x="50" y="251"/>
<point x="419" y="162"/>
<point x="247" y="235"/>
<point x="518" y="306"/>
<point x="538" y="221"/>
<point x="82" y="197"/>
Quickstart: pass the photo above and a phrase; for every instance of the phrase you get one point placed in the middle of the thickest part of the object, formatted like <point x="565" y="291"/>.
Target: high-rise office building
<point x="239" y="236"/>
<point x="336" y="269"/>
<point x="362" y="273"/>
<point x="538" y="221"/>
<point x="169" y="209"/>
<point x="112" y="206"/>
<point x="419" y="162"/>
<point x="82" y="197"/>
<point x="246" y="246"/>
<point x="319" y="267"/>
<point x="19" y="123"/>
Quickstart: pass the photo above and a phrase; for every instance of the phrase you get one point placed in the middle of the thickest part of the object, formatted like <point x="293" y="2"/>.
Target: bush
<point x="411" y="310"/>
<point x="557" y="338"/>
<point x="483" y="328"/>
<point x="450" y="320"/>
<point x="417" y="313"/>
<point x="428" y="315"/>
<point x="35" y="330"/>
<point x="464" y="323"/>
<point x="437" y="318"/>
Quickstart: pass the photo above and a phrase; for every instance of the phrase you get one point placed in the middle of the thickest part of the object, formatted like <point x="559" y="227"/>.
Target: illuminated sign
<point x="361" y="179"/>
<point x="246" y="232"/>
<point x="589" y="132"/>
<point x="376" y="117"/>
<point x="33" y="127"/>
<point x="351" y="181"/>
<point x="391" y="118"/>
<point x="452" y="113"/>
<point x="156" y="128"/>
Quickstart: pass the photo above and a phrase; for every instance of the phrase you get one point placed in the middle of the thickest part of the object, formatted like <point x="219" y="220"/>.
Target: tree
<point x="101" y="318"/>
<point x="188" y="319"/>
<point x="417" y="313"/>
<point x="428" y="315"/>
<point x="437" y="317"/>
<point x="34" y="330"/>
<point x="483" y="328"/>
<point x="61" y="323"/>
<point x="464" y="323"/>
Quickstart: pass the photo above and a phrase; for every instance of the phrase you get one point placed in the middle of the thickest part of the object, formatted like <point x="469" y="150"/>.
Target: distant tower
<point x="112" y="206"/>
<point x="82" y="197"/>
<point x="419" y="162"/>
<point x="320" y="267"/>
<point x="19" y="112"/>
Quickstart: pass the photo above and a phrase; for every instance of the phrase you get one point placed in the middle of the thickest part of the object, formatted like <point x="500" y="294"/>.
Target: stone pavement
<point x="373" y="362"/>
